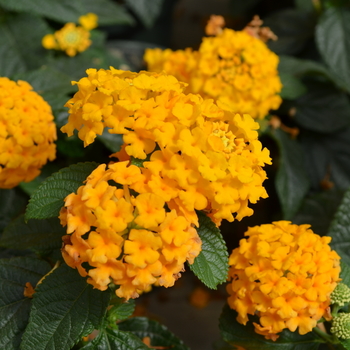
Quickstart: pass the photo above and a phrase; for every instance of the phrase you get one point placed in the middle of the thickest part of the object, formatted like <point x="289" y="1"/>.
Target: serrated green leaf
<point x="292" y="183"/>
<point x="47" y="201"/>
<point x="38" y="235"/>
<point x="292" y="87"/>
<point x="340" y="226"/>
<point x="147" y="11"/>
<point x="159" y="334"/>
<point x="115" y="340"/>
<point x="333" y="41"/>
<point x="20" y="43"/>
<point x="318" y="210"/>
<point x="14" y="306"/>
<point x="211" y="265"/>
<point x="65" y="308"/>
<point x="245" y="336"/>
<point x="324" y="108"/>
<point x="121" y="310"/>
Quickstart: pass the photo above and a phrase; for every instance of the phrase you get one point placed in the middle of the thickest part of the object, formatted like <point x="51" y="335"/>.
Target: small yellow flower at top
<point x="285" y="274"/>
<point x="88" y="21"/>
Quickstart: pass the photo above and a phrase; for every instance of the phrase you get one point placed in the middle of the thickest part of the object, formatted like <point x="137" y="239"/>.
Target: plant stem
<point x="329" y="339"/>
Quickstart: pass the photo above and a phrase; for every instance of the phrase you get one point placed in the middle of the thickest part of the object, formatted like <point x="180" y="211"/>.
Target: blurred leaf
<point x="115" y="340"/>
<point x="14" y="306"/>
<point x="340" y="226"/>
<point x="292" y="183"/>
<point x="305" y="5"/>
<point x="20" y="43"/>
<point x="332" y="37"/>
<point x="211" y="265"/>
<point x="292" y="87"/>
<point x="112" y="141"/>
<point x="345" y="343"/>
<point x="159" y="335"/>
<point x="38" y="235"/>
<point x="147" y="11"/>
<point x="69" y="11"/>
<point x="327" y="157"/>
<point x="293" y="27"/>
<point x="324" y="108"/>
<point x="245" y="336"/>
<point x="318" y="210"/>
<point x="65" y="308"/>
<point x="47" y="201"/>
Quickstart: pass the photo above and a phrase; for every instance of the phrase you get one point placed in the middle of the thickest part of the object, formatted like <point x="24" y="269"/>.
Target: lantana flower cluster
<point x="125" y="237"/>
<point x="27" y="133"/>
<point x="235" y="68"/>
<point x="285" y="274"/>
<point x="196" y="155"/>
<point x="72" y="38"/>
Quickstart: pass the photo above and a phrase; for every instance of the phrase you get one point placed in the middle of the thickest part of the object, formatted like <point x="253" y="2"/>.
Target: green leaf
<point x="245" y="336"/>
<point x="159" y="334"/>
<point x="112" y="141"/>
<point x="211" y="265"/>
<point x="147" y="11"/>
<point x="69" y="11"/>
<point x="14" y="306"/>
<point x="305" y="5"/>
<point x="333" y="41"/>
<point x="121" y="310"/>
<point x="38" y="235"/>
<point x="345" y="343"/>
<point x="340" y="226"/>
<point x="115" y="340"/>
<point x="292" y="87"/>
<point x="324" y="108"/>
<point x="294" y="29"/>
<point x="345" y="273"/>
<point x="20" y="48"/>
<point x="292" y="183"/>
<point x="318" y="210"/>
<point x="65" y="308"/>
<point x="47" y="201"/>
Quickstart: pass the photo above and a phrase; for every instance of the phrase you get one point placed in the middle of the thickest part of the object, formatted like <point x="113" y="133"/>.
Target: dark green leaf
<point x="147" y="11"/>
<point x="38" y="235"/>
<point x="332" y="37"/>
<point x="65" y="308"/>
<point x="293" y="27"/>
<point x="20" y="43"/>
<point x="14" y="306"/>
<point x="345" y="343"/>
<point x="292" y="87"/>
<point x="305" y="5"/>
<point x="47" y="201"/>
<point x="318" y="210"/>
<point x="245" y="336"/>
<point x="292" y="183"/>
<point x="211" y="265"/>
<point x="340" y="226"/>
<point x="324" y="108"/>
<point x="115" y="340"/>
<point x="160" y="335"/>
<point x="121" y="310"/>
<point x="112" y="141"/>
<point x="345" y="273"/>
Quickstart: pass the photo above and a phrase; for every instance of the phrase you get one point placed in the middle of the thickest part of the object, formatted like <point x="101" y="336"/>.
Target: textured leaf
<point x="245" y="336"/>
<point x="345" y="273"/>
<point x="14" y="306"/>
<point x="147" y="11"/>
<point x="318" y="210"/>
<point x="292" y="87"/>
<point x="159" y="335"/>
<point x="292" y="183"/>
<point x="340" y="226"/>
<point x="65" y="308"/>
<point x="69" y="11"/>
<point x="211" y="265"/>
<point x="39" y="235"/>
<point x="332" y="37"/>
<point x="47" y="201"/>
<point x="324" y="108"/>
<point x="115" y="340"/>
<point x="121" y="310"/>
<point x="20" y="43"/>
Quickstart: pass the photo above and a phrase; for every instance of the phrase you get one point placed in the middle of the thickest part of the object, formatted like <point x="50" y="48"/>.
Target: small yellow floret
<point x="88" y="21"/>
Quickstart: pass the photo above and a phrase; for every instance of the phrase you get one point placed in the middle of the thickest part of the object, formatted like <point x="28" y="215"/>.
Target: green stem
<point x="335" y="310"/>
<point x="329" y="339"/>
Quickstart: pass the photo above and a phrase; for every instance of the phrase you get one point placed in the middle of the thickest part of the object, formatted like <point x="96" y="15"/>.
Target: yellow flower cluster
<point x="285" y="274"/>
<point x="125" y="237"/>
<point x="197" y="156"/>
<point x="27" y="133"/>
<point x="71" y="38"/>
<point x="233" y="67"/>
